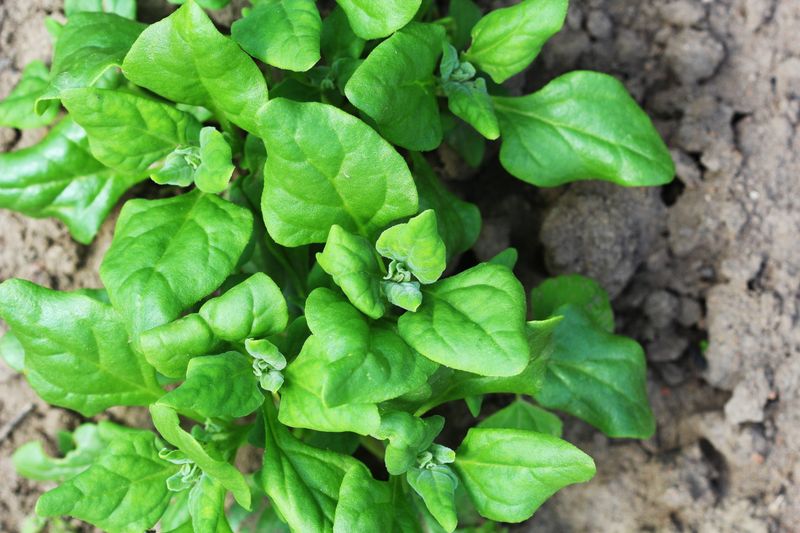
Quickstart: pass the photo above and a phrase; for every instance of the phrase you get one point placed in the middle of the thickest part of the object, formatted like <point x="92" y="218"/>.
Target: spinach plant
<point x="299" y="289"/>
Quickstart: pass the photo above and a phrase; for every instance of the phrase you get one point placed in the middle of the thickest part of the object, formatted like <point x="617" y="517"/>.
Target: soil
<point x="713" y="257"/>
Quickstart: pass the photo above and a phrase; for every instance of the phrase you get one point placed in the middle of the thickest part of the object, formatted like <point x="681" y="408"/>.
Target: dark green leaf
<point x="577" y="290"/>
<point x="465" y="14"/>
<point x="338" y="39"/>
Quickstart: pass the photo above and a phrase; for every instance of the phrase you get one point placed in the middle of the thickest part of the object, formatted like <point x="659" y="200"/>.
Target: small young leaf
<point x="474" y="321"/>
<point x="31" y="461"/>
<point x="215" y="170"/>
<point x="405" y="294"/>
<point x="124" y="490"/>
<point x="16" y="111"/>
<point x="437" y="487"/>
<point x="598" y="377"/>
<point x="217" y="386"/>
<point x="565" y="132"/>
<point x="408" y="436"/>
<point x="281" y="33"/>
<point x="522" y="414"/>
<point x="171" y="346"/>
<point x="469" y="101"/>
<point x="326" y="167"/>
<point x="375" y="19"/>
<point x="338" y="39"/>
<point x="350" y="260"/>
<point x="580" y="291"/>
<point x="417" y="244"/>
<point x="185" y="59"/>
<point x="506" y="40"/>
<point x="167" y="254"/>
<point x="395" y="87"/>
<point x="369" y="505"/>
<point x="509" y="473"/>
<point x="12" y="352"/>
<point x="77" y="353"/>
<point x="123" y="8"/>
<point x="207" y="506"/>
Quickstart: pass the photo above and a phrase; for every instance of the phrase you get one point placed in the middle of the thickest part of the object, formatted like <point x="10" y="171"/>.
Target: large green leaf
<point x="124" y="491"/>
<point x="474" y="321"/>
<point x="598" y="377"/>
<point x="16" y="111"/>
<point x="509" y="473"/>
<point x="522" y="414"/>
<point x="77" y="353"/>
<point x="351" y="261"/>
<point x="171" y="346"/>
<point x="126" y="131"/>
<point x="58" y="177"/>
<point x="395" y="87"/>
<point x="184" y="58"/>
<point x="326" y="167"/>
<point x="506" y="40"/>
<point x="302" y="482"/>
<point x="168" y="254"/>
<point x="582" y="125"/>
<point x="369" y="505"/>
<point x="281" y="33"/>
<point x="417" y="245"/>
<point x="374" y="19"/>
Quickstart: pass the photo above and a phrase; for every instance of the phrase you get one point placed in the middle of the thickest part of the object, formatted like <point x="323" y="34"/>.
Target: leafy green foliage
<point x="308" y="295"/>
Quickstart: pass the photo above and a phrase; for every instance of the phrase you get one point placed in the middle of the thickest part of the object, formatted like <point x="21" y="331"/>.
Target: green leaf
<point x="375" y="19"/>
<point x="395" y="87"/>
<point x="338" y="39"/>
<point x="167" y="423"/>
<point x="58" y="177"/>
<point x="206" y="4"/>
<point x="469" y="101"/>
<point x="170" y="347"/>
<point x="582" y="292"/>
<point x="582" y="125"/>
<point x="326" y="167"/>
<point x="31" y="461"/>
<point x="405" y="294"/>
<point x="123" y="8"/>
<point x="301" y="397"/>
<point x="88" y="47"/>
<point x="77" y="353"/>
<point x="474" y="321"/>
<point x="417" y="244"/>
<point x="351" y="261"/>
<point x="365" y="362"/>
<point x="16" y="111"/>
<point x="597" y="376"/>
<point x="12" y="352"/>
<point x="124" y="491"/>
<point x="302" y="482"/>
<point x="207" y="506"/>
<point x="457" y="221"/>
<point x="522" y="414"/>
<point x="437" y="487"/>
<point x="465" y="14"/>
<point x="369" y="505"/>
<point x="506" y="40"/>
<point x="508" y="258"/>
<point x="281" y="33"/>
<point x="408" y="436"/>
<point x="217" y="386"/>
<point x="253" y="308"/>
<point x="185" y="59"/>
<point x="509" y="473"/>
<point x="215" y="170"/>
<point x="465" y="141"/>
<point x="128" y="132"/>
<point x="168" y="254"/>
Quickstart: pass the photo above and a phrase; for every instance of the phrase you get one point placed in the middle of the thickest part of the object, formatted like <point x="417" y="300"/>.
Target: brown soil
<point x="713" y="256"/>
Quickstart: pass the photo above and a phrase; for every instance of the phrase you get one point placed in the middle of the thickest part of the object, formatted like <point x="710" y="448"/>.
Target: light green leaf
<point x="506" y="40"/>
<point x="458" y="222"/>
<point x="582" y="125"/>
<point x="16" y="111"/>
<point x="509" y="473"/>
<point x="351" y="261"/>
<point x="185" y="59"/>
<point x="129" y="132"/>
<point x="168" y="254"/>
<point x="369" y="505"/>
<point x="521" y="414"/>
<point x="375" y="19"/>
<point x="395" y="87"/>
<point x="31" y="461"/>
<point x="12" y="352"/>
<point x="580" y="291"/>
<point x="417" y="245"/>
<point x="217" y="386"/>
<point x="178" y="167"/>
<point x="301" y="481"/>
<point x="281" y="33"/>
<point x="167" y="423"/>
<point x="77" y="353"/>
<point x="405" y="294"/>
<point x="408" y="436"/>
<point x="469" y="101"/>
<point x="59" y="177"/>
<point x="364" y="362"/>
<point x="216" y="169"/>
<point x="207" y="506"/>
<point x="474" y="321"/>
<point x="437" y="487"/>
<point x="124" y="491"/>
<point x="598" y="377"/>
<point x="170" y="347"/>
<point x="338" y="39"/>
<point x="123" y="8"/>
<point x="326" y="167"/>
<point x="465" y="14"/>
